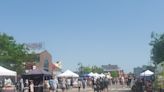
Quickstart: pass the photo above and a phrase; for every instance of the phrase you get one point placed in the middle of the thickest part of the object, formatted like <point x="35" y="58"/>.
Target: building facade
<point x="138" y="70"/>
<point x="109" y="68"/>
<point x="43" y="60"/>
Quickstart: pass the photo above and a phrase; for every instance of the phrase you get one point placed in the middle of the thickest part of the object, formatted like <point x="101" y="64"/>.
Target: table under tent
<point x="8" y="78"/>
<point x="38" y="76"/>
<point x="147" y="75"/>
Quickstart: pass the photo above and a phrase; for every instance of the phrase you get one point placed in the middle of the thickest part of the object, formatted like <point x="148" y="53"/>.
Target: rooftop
<point x="110" y="67"/>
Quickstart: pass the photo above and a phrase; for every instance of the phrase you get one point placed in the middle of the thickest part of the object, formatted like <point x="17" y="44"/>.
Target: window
<point x="46" y="64"/>
<point x="37" y="59"/>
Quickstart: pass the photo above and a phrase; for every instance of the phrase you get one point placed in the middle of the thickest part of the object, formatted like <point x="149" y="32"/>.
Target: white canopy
<point x="68" y="73"/>
<point x="91" y="74"/>
<point x="147" y="73"/>
<point x="96" y="75"/>
<point x="7" y="72"/>
<point x="102" y="75"/>
<point x="108" y="75"/>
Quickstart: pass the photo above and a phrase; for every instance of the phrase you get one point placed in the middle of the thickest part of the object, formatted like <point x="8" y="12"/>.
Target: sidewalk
<point x="88" y="89"/>
<point x="113" y="88"/>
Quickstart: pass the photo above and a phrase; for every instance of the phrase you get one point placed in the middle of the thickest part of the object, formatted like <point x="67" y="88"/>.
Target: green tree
<point x="12" y="54"/>
<point x="151" y="68"/>
<point x="87" y="69"/>
<point x="97" y="69"/>
<point x="157" y="52"/>
<point x="114" y="74"/>
<point x="80" y="68"/>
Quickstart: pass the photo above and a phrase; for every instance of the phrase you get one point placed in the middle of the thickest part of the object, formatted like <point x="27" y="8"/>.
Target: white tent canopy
<point x="7" y="72"/>
<point x="147" y="73"/>
<point x="96" y="75"/>
<point x="102" y="75"/>
<point x="68" y="73"/>
<point x="91" y="74"/>
<point x="109" y="76"/>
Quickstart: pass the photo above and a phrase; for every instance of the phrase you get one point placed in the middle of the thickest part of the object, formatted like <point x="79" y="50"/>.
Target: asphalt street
<point x="114" y="88"/>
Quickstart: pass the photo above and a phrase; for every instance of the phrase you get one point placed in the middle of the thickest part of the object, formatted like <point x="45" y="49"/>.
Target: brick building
<point x="110" y="68"/>
<point x="43" y="61"/>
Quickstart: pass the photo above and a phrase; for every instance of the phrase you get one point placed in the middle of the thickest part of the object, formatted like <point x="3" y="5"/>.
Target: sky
<point x="93" y="32"/>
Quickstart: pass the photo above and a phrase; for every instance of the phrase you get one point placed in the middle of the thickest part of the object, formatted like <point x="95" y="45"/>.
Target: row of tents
<point x="69" y="73"/>
<point x="99" y="75"/>
<point x="39" y="76"/>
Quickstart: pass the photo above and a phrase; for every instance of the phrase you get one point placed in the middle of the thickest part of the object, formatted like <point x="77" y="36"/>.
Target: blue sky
<point x="93" y="32"/>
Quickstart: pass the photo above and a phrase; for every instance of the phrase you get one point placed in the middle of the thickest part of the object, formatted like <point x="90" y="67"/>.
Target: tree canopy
<point x="97" y="69"/>
<point x="114" y="74"/>
<point x="157" y="52"/>
<point x="87" y="69"/>
<point x="12" y="54"/>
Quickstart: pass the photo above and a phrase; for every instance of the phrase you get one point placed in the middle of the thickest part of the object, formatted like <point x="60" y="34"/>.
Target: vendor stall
<point x="39" y="77"/>
<point x="68" y="73"/>
<point x="7" y="79"/>
<point x="147" y="73"/>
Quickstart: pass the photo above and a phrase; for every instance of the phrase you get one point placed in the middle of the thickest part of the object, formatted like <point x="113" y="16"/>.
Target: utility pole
<point x="80" y="68"/>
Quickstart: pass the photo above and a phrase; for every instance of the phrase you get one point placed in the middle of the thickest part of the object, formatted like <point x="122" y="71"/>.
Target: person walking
<point x="31" y="86"/>
<point x="84" y="83"/>
<point x="139" y="85"/>
<point x="149" y="86"/>
<point x="26" y="86"/>
<point x="79" y="85"/>
<point x="63" y="84"/>
<point x="46" y="86"/>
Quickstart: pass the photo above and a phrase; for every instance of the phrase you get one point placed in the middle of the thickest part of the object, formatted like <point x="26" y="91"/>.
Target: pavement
<point x="114" y="88"/>
<point x="119" y="88"/>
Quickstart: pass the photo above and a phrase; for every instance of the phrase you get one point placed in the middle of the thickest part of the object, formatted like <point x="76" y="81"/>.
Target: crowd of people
<point x="54" y="84"/>
<point x="98" y="84"/>
<point x="37" y="85"/>
<point x="141" y="85"/>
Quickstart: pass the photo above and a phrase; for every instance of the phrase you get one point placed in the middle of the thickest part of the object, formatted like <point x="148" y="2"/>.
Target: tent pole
<point x="15" y="78"/>
<point x="43" y="82"/>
